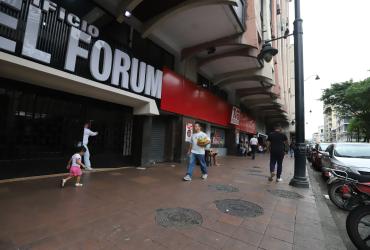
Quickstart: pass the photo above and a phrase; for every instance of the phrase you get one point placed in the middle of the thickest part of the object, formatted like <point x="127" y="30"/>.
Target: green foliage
<point x="351" y="99"/>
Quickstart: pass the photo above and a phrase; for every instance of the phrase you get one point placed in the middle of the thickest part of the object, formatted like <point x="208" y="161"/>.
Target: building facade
<point x="142" y="73"/>
<point x="336" y="126"/>
<point x="321" y="133"/>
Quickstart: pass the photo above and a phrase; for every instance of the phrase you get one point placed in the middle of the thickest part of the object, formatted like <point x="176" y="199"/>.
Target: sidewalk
<point x="121" y="210"/>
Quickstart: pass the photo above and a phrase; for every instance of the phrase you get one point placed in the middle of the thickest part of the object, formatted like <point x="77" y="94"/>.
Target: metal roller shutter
<point x="157" y="153"/>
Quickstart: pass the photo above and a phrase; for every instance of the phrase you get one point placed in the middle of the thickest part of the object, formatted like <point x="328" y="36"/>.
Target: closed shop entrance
<point x="40" y="128"/>
<point x="158" y="141"/>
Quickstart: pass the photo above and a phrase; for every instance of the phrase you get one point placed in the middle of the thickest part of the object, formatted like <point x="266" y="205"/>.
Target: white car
<point x="352" y="157"/>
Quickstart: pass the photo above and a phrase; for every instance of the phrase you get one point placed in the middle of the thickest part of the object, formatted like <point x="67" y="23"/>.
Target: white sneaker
<point x="78" y="185"/>
<point x="204" y="176"/>
<point x="187" y="178"/>
<point x="89" y="169"/>
<point x="63" y="183"/>
<point x="279" y="180"/>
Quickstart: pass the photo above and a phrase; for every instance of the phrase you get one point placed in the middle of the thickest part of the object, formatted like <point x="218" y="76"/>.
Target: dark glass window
<point x="148" y="51"/>
<point x="39" y="129"/>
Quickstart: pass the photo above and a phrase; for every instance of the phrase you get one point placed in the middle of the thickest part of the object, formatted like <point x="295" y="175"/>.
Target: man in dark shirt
<point x="277" y="143"/>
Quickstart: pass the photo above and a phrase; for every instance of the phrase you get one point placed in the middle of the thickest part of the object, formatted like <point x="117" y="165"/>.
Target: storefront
<point x="191" y="104"/>
<point x="63" y="63"/>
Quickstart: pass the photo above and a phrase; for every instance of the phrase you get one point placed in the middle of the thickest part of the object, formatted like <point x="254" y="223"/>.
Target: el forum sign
<point x="105" y="63"/>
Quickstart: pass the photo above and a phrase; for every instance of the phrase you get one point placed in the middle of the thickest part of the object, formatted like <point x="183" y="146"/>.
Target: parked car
<point x="309" y="149"/>
<point x="317" y="154"/>
<point x="349" y="157"/>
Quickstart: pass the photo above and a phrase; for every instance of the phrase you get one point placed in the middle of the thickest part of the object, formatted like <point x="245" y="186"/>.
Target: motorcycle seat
<point x="359" y="177"/>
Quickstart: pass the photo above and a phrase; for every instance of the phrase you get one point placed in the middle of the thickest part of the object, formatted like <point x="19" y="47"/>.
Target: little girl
<point x="74" y="166"/>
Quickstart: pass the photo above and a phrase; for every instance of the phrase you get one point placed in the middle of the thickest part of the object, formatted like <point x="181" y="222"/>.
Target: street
<point x="339" y="216"/>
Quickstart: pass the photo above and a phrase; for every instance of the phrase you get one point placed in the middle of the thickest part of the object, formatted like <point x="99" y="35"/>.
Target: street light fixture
<point x="267" y="52"/>
<point x="317" y="77"/>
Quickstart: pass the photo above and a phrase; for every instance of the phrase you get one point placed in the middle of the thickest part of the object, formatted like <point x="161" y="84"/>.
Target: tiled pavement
<point x="116" y="210"/>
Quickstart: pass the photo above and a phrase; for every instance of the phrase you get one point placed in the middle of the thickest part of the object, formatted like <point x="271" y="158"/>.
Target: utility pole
<point x="300" y="178"/>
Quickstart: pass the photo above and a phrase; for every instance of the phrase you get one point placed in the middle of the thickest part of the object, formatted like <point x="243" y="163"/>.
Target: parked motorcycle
<point x="348" y="190"/>
<point x="358" y="226"/>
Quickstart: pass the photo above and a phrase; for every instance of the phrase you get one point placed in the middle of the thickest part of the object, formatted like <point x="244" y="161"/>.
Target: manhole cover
<point x="224" y="188"/>
<point x="285" y="194"/>
<point x="178" y="217"/>
<point x="239" y="208"/>
<point x="254" y="171"/>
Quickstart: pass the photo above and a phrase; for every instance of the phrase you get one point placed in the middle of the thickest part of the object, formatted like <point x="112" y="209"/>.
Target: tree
<point x="351" y="99"/>
<point x="356" y="126"/>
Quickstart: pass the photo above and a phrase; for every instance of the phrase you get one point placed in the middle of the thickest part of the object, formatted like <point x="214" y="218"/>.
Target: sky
<point x="336" y="39"/>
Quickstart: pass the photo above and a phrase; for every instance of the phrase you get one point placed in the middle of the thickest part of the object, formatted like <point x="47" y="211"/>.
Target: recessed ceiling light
<point x="127" y="13"/>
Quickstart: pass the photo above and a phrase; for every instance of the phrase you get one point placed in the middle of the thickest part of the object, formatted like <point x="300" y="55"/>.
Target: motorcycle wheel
<point x="335" y="195"/>
<point x="358" y="227"/>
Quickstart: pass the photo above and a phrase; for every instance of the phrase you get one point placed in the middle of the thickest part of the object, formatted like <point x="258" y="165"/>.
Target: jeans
<point x="87" y="157"/>
<point x="193" y="159"/>
<point x="254" y="149"/>
<point x="276" y="158"/>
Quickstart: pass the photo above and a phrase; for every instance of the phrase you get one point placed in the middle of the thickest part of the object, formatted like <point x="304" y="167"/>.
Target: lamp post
<point x="300" y="178"/>
<point x="267" y="52"/>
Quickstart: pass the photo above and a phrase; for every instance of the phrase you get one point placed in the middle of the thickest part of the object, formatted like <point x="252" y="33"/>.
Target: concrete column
<point x="142" y="133"/>
<point x="230" y="143"/>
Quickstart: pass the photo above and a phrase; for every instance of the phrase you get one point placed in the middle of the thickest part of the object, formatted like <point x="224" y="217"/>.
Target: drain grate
<point x="256" y="167"/>
<point x="240" y="208"/>
<point x="224" y="188"/>
<point x="178" y="217"/>
<point x="286" y="194"/>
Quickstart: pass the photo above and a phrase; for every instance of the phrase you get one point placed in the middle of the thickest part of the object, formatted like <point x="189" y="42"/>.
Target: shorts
<point x="75" y="171"/>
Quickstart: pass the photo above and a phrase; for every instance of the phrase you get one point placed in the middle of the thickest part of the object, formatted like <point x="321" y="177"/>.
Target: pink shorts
<point x="75" y="171"/>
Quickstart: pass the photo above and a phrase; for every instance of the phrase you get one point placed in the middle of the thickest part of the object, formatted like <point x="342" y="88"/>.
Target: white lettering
<point x="93" y="31"/>
<point x="95" y="60"/>
<point x="137" y="86"/>
<point x="73" y="49"/>
<point x="48" y="5"/>
<point x="62" y="14"/>
<point x="84" y="26"/>
<point x="30" y="37"/>
<point x="9" y="22"/>
<point x="121" y="65"/>
<point x="36" y="3"/>
<point x="73" y="20"/>
<point x="153" y="83"/>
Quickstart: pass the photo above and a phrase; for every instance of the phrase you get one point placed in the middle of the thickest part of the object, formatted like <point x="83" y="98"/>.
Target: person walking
<point x="85" y="142"/>
<point x="74" y="165"/>
<point x="254" y="145"/>
<point x="291" y="149"/>
<point x="277" y="142"/>
<point x="198" y="142"/>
